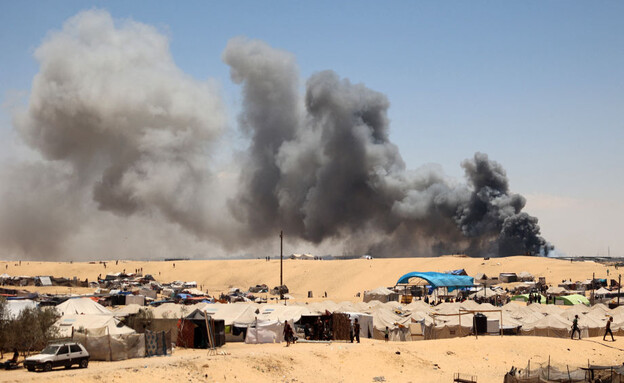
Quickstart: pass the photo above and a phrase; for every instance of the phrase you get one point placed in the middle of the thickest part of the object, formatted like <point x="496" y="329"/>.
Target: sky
<point x="538" y="86"/>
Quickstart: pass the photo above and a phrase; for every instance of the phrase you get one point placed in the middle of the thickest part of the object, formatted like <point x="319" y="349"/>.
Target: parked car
<point x="63" y="354"/>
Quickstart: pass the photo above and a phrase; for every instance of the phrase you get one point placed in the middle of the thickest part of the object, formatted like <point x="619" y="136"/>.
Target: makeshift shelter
<point x="398" y="326"/>
<point x="82" y="306"/>
<point x="574" y="299"/>
<point x="303" y="257"/>
<point x="525" y="276"/>
<point x="199" y="330"/>
<point x="113" y="347"/>
<point x="265" y="332"/>
<point x="236" y="318"/>
<point x="380" y="294"/>
<point x="555" y="290"/>
<point x="507" y="277"/>
<point x="365" y="321"/>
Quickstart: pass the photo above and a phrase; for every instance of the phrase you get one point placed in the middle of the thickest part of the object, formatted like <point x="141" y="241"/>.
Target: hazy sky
<point x="538" y="86"/>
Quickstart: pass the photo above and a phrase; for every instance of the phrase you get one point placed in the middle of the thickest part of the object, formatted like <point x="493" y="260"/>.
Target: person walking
<point x="575" y="328"/>
<point x="608" y="330"/>
<point x="288" y="333"/>
<point x="386" y="333"/>
<point x="351" y="331"/>
<point x="356" y="330"/>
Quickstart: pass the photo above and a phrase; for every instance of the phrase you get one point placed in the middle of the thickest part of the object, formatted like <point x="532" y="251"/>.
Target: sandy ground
<point x="342" y="280"/>
<point x="488" y="358"/>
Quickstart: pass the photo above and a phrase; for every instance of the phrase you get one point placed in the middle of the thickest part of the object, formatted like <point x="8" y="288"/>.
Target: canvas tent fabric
<point x="265" y="332"/>
<point x="602" y="291"/>
<point x="574" y="299"/>
<point x="551" y="326"/>
<point x="84" y="306"/>
<point x="436" y="280"/>
<point x="242" y="314"/>
<point x="94" y="324"/>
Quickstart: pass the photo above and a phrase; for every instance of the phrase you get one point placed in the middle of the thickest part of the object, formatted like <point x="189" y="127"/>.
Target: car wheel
<point x="68" y="366"/>
<point x="31" y="368"/>
<point x="47" y="366"/>
<point x="84" y="363"/>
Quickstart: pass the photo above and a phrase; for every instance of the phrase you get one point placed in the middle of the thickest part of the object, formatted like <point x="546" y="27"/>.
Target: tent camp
<point x="82" y="306"/>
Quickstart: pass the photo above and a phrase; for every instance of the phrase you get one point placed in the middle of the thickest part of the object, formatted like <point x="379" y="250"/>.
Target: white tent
<point x="398" y="326"/>
<point x="265" y="332"/>
<point x="94" y="324"/>
<point x="241" y="314"/>
<point x="82" y="306"/>
<point x="282" y="313"/>
<point x="365" y="321"/>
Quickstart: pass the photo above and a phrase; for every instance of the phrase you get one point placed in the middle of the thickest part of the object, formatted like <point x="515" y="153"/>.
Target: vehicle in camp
<point x="63" y="354"/>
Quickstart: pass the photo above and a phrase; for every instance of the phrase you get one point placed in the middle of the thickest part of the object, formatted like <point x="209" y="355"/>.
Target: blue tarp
<point x="439" y="279"/>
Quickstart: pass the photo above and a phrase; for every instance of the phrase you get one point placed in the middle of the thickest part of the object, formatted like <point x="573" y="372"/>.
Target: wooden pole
<point x="548" y="367"/>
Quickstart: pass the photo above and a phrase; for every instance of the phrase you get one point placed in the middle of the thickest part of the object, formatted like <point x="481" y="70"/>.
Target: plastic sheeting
<point x="113" y="347"/>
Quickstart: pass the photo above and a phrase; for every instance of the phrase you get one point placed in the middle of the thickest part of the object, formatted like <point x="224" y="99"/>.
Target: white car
<point x="63" y="354"/>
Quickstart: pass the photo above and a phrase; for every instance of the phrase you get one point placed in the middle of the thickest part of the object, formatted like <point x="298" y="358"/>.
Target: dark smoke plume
<point x="123" y="162"/>
<point x="330" y="171"/>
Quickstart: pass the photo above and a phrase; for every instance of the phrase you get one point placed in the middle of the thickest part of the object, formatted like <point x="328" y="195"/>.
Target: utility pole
<point x="281" y="265"/>
<point x="281" y="258"/>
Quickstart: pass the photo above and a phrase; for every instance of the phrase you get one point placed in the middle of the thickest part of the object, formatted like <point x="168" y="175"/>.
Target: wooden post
<point x="569" y="377"/>
<point x="548" y="367"/>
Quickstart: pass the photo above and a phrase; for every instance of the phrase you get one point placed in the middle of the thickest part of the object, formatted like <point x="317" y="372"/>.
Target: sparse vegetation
<point x="31" y="330"/>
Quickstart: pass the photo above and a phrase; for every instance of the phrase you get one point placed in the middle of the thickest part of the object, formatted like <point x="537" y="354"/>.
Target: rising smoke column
<point x="128" y="132"/>
<point x="330" y="172"/>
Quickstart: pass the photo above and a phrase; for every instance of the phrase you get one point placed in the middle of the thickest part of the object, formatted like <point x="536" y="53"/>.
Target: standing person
<point x="386" y="333"/>
<point x="356" y="329"/>
<point x="575" y="328"/>
<point x="608" y="330"/>
<point x="287" y="333"/>
<point x="351" y="331"/>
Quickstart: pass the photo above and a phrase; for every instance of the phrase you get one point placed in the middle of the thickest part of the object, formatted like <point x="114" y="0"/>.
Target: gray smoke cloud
<point x="122" y="164"/>
<point x="330" y="171"/>
<point x="132" y="133"/>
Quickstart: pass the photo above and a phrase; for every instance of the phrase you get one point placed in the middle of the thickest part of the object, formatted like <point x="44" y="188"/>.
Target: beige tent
<point x="82" y="306"/>
<point x="551" y="325"/>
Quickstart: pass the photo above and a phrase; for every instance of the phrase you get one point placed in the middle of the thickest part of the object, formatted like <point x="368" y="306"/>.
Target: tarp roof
<point x="439" y="279"/>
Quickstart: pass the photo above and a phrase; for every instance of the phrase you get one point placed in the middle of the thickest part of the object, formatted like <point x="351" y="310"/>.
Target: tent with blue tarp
<point x="435" y="280"/>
